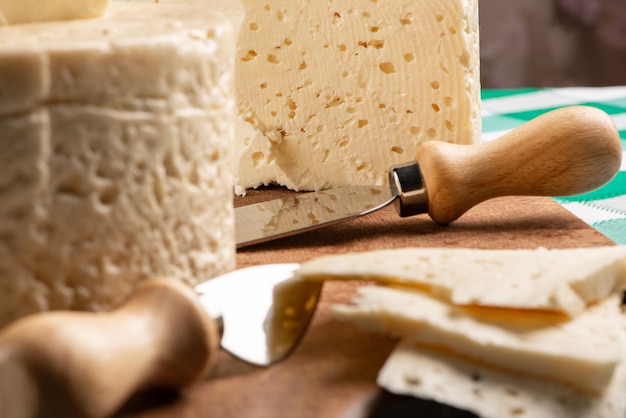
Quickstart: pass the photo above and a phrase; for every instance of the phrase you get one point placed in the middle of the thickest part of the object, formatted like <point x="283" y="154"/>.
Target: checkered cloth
<point x="503" y="110"/>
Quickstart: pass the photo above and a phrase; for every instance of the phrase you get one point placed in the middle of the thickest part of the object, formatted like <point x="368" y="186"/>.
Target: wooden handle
<point x="78" y="364"/>
<point x="567" y="151"/>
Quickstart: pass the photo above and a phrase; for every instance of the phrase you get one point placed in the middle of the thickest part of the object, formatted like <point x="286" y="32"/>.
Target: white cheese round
<point x="115" y="154"/>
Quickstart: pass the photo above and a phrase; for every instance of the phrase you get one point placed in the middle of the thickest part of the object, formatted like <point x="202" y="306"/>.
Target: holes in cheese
<point x="387" y="67"/>
<point x="251" y="54"/>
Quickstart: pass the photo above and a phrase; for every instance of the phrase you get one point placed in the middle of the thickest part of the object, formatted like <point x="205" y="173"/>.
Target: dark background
<point x="552" y="43"/>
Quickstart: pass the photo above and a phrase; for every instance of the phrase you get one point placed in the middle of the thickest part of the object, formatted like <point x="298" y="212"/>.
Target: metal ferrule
<point x="407" y="183"/>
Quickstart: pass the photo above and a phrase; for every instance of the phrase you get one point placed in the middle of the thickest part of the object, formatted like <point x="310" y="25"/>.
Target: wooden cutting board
<point x="333" y="372"/>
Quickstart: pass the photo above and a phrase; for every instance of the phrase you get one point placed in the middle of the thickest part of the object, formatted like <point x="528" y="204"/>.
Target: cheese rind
<point x="27" y="11"/>
<point x="544" y="346"/>
<point x="341" y="91"/>
<point x="561" y="280"/>
<point x="117" y="156"/>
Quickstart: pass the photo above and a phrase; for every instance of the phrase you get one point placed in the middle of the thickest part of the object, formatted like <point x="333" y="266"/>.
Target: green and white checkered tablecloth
<point x="605" y="208"/>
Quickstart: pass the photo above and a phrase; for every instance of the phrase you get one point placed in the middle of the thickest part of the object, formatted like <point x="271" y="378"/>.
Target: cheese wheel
<point x="340" y="91"/>
<point x="115" y="147"/>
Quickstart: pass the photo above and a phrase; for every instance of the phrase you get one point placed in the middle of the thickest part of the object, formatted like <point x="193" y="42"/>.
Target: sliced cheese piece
<point x="488" y="393"/>
<point x="562" y="280"/>
<point x="116" y="140"/>
<point x="27" y="11"/>
<point x="581" y="352"/>
<point x="341" y="91"/>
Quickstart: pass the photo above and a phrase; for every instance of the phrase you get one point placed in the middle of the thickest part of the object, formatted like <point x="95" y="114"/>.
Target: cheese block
<point x="26" y="11"/>
<point x="560" y="280"/>
<point x="340" y="91"/>
<point x="580" y="352"/>
<point x="116" y="139"/>
<point x="417" y="371"/>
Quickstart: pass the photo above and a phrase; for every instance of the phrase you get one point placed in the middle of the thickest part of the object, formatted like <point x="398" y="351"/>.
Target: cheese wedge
<point x="488" y="393"/>
<point x="27" y="11"/>
<point x="340" y="91"/>
<point x="116" y="139"/>
<point x="580" y="352"/>
<point x="561" y="280"/>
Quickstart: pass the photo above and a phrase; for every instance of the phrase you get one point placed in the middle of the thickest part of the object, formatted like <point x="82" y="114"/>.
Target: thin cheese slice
<point x="561" y="280"/>
<point x="340" y="91"/>
<point x="488" y="393"/>
<point x="27" y="11"/>
<point x="552" y="347"/>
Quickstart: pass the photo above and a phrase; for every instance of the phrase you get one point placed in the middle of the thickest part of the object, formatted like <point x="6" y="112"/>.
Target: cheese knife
<point x="568" y="151"/>
<point x="87" y="365"/>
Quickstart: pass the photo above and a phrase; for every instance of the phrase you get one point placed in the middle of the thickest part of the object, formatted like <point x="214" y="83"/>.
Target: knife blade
<point x="261" y="312"/>
<point x="83" y="364"/>
<point x="568" y="151"/>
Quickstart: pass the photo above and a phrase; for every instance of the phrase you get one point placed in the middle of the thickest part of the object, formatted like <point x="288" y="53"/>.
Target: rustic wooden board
<point x="333" y="371"/>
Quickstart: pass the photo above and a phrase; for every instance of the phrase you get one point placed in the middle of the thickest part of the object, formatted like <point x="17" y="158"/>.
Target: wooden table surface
<point x="333" y="372"/>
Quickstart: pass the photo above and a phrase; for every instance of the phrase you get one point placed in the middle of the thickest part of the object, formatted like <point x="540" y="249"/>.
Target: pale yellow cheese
<point x="580" y="352"/>
<point x="116" y="139"/>
<point x="561" y="280"/>
<point x="27" y="11"/>
<point x="339" y="91"/>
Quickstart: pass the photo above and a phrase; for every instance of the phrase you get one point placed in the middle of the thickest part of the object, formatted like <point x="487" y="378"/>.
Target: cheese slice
<point x="27" y="11"/>
<point x="417" y="371"/>
<point x="116" y="139"/>
<point x="560" y="280"/>
<point x="580" y="352"/>
<point x="341" y="91"/>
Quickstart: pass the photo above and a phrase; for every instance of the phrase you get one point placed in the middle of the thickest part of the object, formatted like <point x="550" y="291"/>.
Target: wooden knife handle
<point x="564" y="152"/>
<point x="78" y="364"/>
